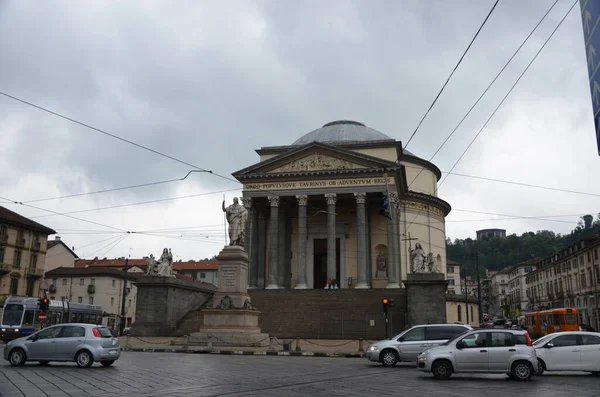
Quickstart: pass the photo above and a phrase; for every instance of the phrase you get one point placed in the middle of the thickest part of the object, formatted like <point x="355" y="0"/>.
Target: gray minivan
<point x="407" y="345"/>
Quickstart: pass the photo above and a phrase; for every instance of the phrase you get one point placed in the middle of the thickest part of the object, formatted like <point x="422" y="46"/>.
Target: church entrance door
<point x="320" y="262"/>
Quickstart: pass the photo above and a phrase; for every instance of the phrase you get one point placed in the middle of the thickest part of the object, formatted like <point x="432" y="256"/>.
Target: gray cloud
<point x="209" y="82"/>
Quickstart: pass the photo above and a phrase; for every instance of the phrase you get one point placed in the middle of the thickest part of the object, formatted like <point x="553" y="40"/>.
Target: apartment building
<point x="499" y="294"/>
<point x="23" y="244"/>
<point x="569" y="278"/>
<point x="453" y="276"/>
<point x="518" y="301"/>
<point x="59" y="255"/>
<point x="204" y="271"/>
<point x="96" y="286"/>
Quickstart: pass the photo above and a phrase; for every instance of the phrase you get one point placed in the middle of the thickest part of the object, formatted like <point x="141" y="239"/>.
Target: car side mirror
<point x="401" y="339"/>
<point x="549" y="345"/>
<point x="33" y="338"/>
<point x="461" y="345"/>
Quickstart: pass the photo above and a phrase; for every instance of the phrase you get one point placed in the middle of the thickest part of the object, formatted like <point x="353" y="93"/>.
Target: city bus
<point x="20" y="316"/>
<point x="549" y="321"/>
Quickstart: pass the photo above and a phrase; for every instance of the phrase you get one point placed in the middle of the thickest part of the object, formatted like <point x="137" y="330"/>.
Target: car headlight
<point x="372" y="348"/>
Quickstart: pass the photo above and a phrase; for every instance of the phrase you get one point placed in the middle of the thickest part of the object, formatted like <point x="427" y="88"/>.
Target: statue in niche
<point x="381" y="271"/>
<point x="236" y="216"/>
<point x="163" y="267"/>
<point x="418" y="260"/>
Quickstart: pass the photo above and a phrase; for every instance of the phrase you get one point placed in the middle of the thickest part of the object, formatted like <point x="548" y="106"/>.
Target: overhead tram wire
<point x="452" y="73"/>
<point x="65" y="215"/>
<point x="485" y="92"/>
<point x="487" y="88"/>
<point x="509" y="92"/>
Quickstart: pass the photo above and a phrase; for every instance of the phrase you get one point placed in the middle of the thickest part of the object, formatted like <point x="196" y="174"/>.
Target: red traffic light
<point x="45" y="300"/>
<point x="385" y="301"/>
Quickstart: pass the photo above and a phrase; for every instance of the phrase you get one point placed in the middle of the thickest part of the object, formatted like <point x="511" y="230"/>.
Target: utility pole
<point x="467" y="300"/>
<point x="478" y="288"/>
<point x="122" y="324"/>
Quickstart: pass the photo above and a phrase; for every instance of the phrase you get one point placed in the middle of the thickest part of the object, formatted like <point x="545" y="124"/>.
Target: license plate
<point x="112" y="352"/>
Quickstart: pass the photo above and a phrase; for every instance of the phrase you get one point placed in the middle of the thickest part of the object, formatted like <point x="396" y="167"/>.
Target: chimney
<point x="56" y="238"/>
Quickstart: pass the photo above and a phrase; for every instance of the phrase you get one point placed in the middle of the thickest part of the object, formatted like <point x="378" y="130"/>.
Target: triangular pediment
<point x="316" y="157"/>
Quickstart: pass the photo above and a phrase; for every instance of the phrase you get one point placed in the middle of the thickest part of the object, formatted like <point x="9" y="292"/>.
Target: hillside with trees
<point x="497" y="253"/>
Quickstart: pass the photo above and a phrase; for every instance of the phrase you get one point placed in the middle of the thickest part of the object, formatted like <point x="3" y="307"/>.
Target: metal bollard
<point x="298" y="344"/>
<point x="361" y="349"/>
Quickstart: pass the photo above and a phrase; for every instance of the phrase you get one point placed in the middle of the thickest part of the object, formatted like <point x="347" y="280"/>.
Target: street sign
<point x="42" y="317"/>
<point x="590" y="16"/>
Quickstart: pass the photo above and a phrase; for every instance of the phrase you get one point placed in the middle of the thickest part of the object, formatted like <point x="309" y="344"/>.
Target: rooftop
<point x="11" y="217"/>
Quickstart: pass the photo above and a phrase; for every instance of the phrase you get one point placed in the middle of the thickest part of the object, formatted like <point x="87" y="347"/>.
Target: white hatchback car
<point x="484" y="351"/>
<point x="569" y="351"/>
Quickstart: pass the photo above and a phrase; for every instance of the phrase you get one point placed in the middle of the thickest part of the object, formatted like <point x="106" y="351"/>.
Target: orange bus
<point x="553" y="320"/>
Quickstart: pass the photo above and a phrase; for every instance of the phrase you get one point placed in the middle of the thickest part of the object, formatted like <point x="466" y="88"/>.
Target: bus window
<point x="533" y="318"/>
<point x="571" y="319"/>
<point x="555" y="319"/>
<point x="12" y="315"/>
<point x="87" y="318"/>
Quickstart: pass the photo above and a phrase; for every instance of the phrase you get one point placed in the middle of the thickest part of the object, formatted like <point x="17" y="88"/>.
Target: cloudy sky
<point x="208" y="82"/>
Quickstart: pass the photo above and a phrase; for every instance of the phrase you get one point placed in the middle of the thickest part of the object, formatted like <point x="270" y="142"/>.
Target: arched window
<point x="459" y="313"/>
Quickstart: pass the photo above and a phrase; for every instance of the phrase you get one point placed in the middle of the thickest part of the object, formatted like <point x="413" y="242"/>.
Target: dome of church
<point x="344" y="131"/>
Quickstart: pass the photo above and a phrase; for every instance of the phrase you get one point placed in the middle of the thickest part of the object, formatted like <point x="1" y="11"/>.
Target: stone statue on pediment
<point x="236" y="216"/>
<point x="163" y="267"/>
<point x="418" y="260"/>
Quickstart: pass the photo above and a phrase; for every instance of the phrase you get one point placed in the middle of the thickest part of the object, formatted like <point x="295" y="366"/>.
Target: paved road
<point x="191" y="375"/>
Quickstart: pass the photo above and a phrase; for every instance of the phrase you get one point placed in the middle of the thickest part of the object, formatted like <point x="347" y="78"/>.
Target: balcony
<point x="5" y="268"/>
<point x="35" y="273"/>
<point x="91" y="289"/>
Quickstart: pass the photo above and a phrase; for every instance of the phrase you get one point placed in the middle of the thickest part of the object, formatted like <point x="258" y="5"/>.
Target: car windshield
<point x="12" y="315"/>
<point x="455" y="338"/>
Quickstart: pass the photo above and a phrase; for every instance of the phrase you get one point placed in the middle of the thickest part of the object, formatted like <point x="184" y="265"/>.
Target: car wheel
<point x="442" y="369"/>
<point x="596" y="373"/>
<point x="17" y="357"/>
<point x="522" y="370"/>
<point x="84" y="359"/>
<point x="107" y="363"/>
<point x="541" y="367"/>
<point x="389" y="358"/>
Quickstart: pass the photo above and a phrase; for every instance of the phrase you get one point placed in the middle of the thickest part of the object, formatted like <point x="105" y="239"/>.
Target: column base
<point x="362" y="286"/>
<point x="393" y="285"/>
<point x="301" y="286"/>
<point x="273" y="286"/>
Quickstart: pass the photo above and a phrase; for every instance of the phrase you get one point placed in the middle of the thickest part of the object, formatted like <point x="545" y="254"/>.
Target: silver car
<point x="569" y="351"/>
<point x="484" y="351"/>
<point x="407" y="345"/>
<point x="82" y="343"/>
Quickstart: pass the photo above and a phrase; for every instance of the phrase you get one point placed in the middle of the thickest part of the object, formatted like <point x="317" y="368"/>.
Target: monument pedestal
<point x="232" y="321"/>
<point x="426" y="298"/>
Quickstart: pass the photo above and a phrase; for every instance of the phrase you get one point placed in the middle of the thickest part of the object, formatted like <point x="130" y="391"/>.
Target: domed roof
<point x="342" y="131"/>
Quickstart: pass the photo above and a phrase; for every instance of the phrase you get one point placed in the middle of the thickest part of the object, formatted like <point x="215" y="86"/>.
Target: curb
<point x="246" y="353"/>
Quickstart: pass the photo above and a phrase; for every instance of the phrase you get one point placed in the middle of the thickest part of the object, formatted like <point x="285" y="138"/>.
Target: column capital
<point x="247" y="202"/>
<point x="331" y="198"/>
<point x="361" y="197"/>
<point x="393" y="197"/>
<point x="274" y="201"/>
<point x="302" y="199"/>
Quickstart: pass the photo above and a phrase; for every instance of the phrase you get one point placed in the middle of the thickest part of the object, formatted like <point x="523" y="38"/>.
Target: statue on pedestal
<point x="236" y="216"/>
<point x="164" y="266"/>
<point x="381" y="267"/>
<point x="418" y="260"/>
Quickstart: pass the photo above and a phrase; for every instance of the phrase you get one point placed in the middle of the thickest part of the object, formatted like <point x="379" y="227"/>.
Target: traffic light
<point x="385" y="302"/>
<point x="391" y="302"/>
<point x="43" y="304"/>
<point x="383" y="205"/>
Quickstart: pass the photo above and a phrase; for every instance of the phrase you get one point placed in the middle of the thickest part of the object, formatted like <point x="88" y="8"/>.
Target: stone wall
<point x="163" y="301"/>
<point x="326" y="314"/>
<point x="426" y="294"/>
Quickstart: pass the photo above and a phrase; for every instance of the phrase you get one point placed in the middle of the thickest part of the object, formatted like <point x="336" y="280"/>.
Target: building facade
<point x="59" y="255"/>
<point x="343" y="202"/>
<point x="499" y="298"/>
<point x="96" y="286"/>
<point x="569" y="278"/>
<point x="23" y="245"/>
<point x="203" y="271"/>
<point x="453" y="276"/>
<point x="518" y="300"/>
<point x="489" y="233"/>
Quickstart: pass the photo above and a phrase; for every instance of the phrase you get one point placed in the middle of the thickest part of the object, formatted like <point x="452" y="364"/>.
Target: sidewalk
<point x="307" y="347"/>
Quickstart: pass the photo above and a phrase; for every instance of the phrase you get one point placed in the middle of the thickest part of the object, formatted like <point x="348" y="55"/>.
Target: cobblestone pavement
<point x="189" y="375"/>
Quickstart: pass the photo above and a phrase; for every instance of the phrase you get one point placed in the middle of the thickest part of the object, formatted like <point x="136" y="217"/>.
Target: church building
<point x="344" y="202"/>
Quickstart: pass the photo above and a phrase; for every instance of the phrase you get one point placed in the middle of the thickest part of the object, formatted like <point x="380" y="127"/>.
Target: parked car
<point x="82" y="343"/>
<point x="407" y="345"/>
<point x="484" y="351"/>
<point x="569" y="351"/>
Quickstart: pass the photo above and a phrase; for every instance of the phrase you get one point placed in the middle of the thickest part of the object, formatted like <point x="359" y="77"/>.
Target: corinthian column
<point x="331" y="260"/>
<point x="393" y="244"/>
<point x="273" y="238"/>
<point x="361" y="237"/>
<point x="301" y="280"/>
